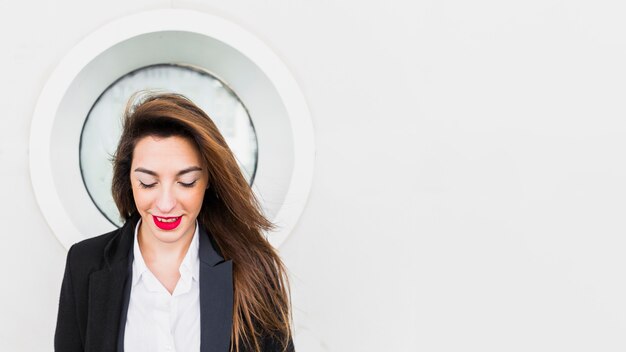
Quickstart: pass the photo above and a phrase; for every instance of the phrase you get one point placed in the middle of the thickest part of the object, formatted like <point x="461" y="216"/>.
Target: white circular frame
<point x="276" y="104"/>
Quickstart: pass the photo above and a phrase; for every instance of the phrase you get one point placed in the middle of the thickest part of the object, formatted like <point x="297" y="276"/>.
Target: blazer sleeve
<point x="272" y="344"/>
<point x="67" y="335"/>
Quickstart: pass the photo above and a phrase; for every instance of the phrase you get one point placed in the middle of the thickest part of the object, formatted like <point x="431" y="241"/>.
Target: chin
<point x="168" y="237"/>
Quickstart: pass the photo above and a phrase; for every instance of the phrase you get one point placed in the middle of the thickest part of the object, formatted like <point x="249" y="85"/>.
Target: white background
<point x="469" y="188"/>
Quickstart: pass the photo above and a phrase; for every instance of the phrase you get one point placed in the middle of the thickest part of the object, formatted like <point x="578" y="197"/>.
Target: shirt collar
<point x="190" y="266"/>
<point x="191" y="262"/>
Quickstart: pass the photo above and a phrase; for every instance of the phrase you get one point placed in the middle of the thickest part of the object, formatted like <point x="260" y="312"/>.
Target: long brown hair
<point x="230" y="212"/>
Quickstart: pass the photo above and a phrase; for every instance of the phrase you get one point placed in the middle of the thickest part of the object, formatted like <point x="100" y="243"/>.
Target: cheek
<point x="194" y="200"/>
<point x="142" y="199"/>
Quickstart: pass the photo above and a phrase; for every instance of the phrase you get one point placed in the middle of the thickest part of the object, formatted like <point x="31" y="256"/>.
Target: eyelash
<point x="186" y="185"/>
<point x="143" y="185"/>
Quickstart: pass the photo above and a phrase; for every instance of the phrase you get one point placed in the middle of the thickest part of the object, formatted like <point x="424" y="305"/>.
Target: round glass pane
<point x="103" y="125"/>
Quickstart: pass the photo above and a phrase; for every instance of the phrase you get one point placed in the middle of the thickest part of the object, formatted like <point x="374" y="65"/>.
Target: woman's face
<point x="168" y="180"/>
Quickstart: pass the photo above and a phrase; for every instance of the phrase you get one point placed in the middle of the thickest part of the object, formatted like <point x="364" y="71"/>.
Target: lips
<point x="168" y="224"/>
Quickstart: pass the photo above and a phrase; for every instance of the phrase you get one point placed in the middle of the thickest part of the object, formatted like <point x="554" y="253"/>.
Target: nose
<point x="166" y="200"/>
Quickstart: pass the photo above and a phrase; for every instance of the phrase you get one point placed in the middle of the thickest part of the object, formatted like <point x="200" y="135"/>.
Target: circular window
<point x="103" y="125"/>
<point x="76" y="121"/>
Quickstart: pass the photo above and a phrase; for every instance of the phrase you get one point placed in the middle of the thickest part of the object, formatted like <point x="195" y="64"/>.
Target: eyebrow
<point x="180" y="173"/>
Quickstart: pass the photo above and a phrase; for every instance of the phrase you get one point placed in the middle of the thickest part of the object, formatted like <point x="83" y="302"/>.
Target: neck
<point x="155" y="251"/>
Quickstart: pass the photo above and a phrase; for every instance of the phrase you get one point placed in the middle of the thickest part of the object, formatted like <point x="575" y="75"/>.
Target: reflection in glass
<point x="103" y="124"/>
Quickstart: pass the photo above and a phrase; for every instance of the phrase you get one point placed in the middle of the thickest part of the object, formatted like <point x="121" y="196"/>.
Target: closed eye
<point x="188" y="185"/>
<point x="143" y="185"/>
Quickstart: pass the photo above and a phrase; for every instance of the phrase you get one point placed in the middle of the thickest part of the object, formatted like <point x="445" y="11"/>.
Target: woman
<point x="190" y="269"/>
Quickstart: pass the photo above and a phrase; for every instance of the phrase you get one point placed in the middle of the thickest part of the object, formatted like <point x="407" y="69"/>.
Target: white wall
<point x="469" y="188"/>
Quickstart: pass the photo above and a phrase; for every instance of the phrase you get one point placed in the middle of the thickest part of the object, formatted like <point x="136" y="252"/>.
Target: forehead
<point x="172" y="152"/>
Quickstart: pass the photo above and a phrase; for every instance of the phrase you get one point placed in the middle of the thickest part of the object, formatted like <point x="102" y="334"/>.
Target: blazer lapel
<point x="107" y="292"/>
<point x="216" y="297"/>
<point x="125" y="302"/>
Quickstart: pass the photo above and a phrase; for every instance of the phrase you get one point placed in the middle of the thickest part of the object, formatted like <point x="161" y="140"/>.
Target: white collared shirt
<point x="158" y="321"/>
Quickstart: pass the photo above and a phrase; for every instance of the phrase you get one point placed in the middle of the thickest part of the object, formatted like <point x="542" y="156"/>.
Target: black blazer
<point x="96" y="291"/>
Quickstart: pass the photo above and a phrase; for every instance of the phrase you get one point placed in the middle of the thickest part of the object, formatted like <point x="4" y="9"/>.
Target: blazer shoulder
<point x="89" y="253"/>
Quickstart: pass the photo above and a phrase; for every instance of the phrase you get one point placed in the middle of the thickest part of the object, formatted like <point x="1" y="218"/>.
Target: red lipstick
<point x="170" y="225"/>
